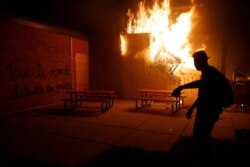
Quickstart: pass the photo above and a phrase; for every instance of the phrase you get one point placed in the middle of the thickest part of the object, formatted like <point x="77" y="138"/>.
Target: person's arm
<point x="191" y="109"/>
<point x="195" y="84"/>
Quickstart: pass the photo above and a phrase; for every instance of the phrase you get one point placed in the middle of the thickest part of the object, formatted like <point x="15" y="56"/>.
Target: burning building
<point x="158" y="39"/>
<point x="147" y="46"/>
<point x="156" y="45"/>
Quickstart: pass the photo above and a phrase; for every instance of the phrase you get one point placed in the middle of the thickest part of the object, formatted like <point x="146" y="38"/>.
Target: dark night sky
<point x="74" y="14"/>
<point x="230" y="16"/>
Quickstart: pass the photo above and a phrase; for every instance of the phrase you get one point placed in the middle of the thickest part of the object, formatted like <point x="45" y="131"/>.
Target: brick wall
<point x="36" y="66"/>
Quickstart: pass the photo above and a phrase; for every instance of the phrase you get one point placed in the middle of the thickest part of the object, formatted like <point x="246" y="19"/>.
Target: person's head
<point x="200" y="59"/>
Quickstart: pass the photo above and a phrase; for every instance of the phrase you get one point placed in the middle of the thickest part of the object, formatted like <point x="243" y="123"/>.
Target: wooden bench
<point x="113" y="96"/>
<point x="146" y="101"/>
<point x="76" y="98"/>
<point x="73" y="103"/>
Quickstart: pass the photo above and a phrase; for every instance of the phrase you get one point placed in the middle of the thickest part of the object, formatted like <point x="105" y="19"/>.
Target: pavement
<point x="122" y="136"/>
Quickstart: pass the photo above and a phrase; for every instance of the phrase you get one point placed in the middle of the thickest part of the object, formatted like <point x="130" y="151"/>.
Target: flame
<point x="123" y="45"/>
<point x="168" y="38"/>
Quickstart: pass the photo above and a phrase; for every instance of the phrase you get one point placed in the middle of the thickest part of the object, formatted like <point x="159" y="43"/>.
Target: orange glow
<point x="168" y="39"/>
<point x="123" y="45"/>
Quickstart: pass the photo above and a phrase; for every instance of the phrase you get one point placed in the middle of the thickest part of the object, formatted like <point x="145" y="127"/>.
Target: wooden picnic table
<point x="77" y="97"/>
<point x="147" y="96"/>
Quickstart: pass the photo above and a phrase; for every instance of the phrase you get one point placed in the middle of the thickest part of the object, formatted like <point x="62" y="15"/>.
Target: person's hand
<point x="176" y="92"/>
<point x="189" y="113"/>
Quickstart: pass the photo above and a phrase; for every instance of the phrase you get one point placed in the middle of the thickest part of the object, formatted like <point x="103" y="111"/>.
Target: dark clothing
<point x="211" y="83"/>
<point x="208" y="109"/>
<point x="212" y="97"/>
<point x="205" y="119"/>
<point x="208" y="102"/>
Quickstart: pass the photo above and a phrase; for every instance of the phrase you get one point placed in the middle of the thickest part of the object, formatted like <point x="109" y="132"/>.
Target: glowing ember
<point x="169" y="46"/>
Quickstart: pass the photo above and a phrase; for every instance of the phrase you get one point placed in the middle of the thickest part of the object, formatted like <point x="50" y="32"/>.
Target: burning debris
<point x="168" y="46"/>
<point x="166" y="64"/>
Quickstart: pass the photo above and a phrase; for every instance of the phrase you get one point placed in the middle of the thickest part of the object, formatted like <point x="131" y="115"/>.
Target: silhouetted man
<point x="209" y="102"/>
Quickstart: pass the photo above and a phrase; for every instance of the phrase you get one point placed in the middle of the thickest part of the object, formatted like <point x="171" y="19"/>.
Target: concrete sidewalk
<point x="121" y="136"/>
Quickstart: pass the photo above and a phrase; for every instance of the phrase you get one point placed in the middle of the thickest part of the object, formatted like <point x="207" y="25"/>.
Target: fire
<point x="123" y="45"/>
<point x="168" y="39"/>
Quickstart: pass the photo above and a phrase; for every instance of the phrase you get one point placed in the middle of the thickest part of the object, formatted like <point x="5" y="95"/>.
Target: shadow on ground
<point x="58" y="111"/>
<point x="226" y="153"/>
